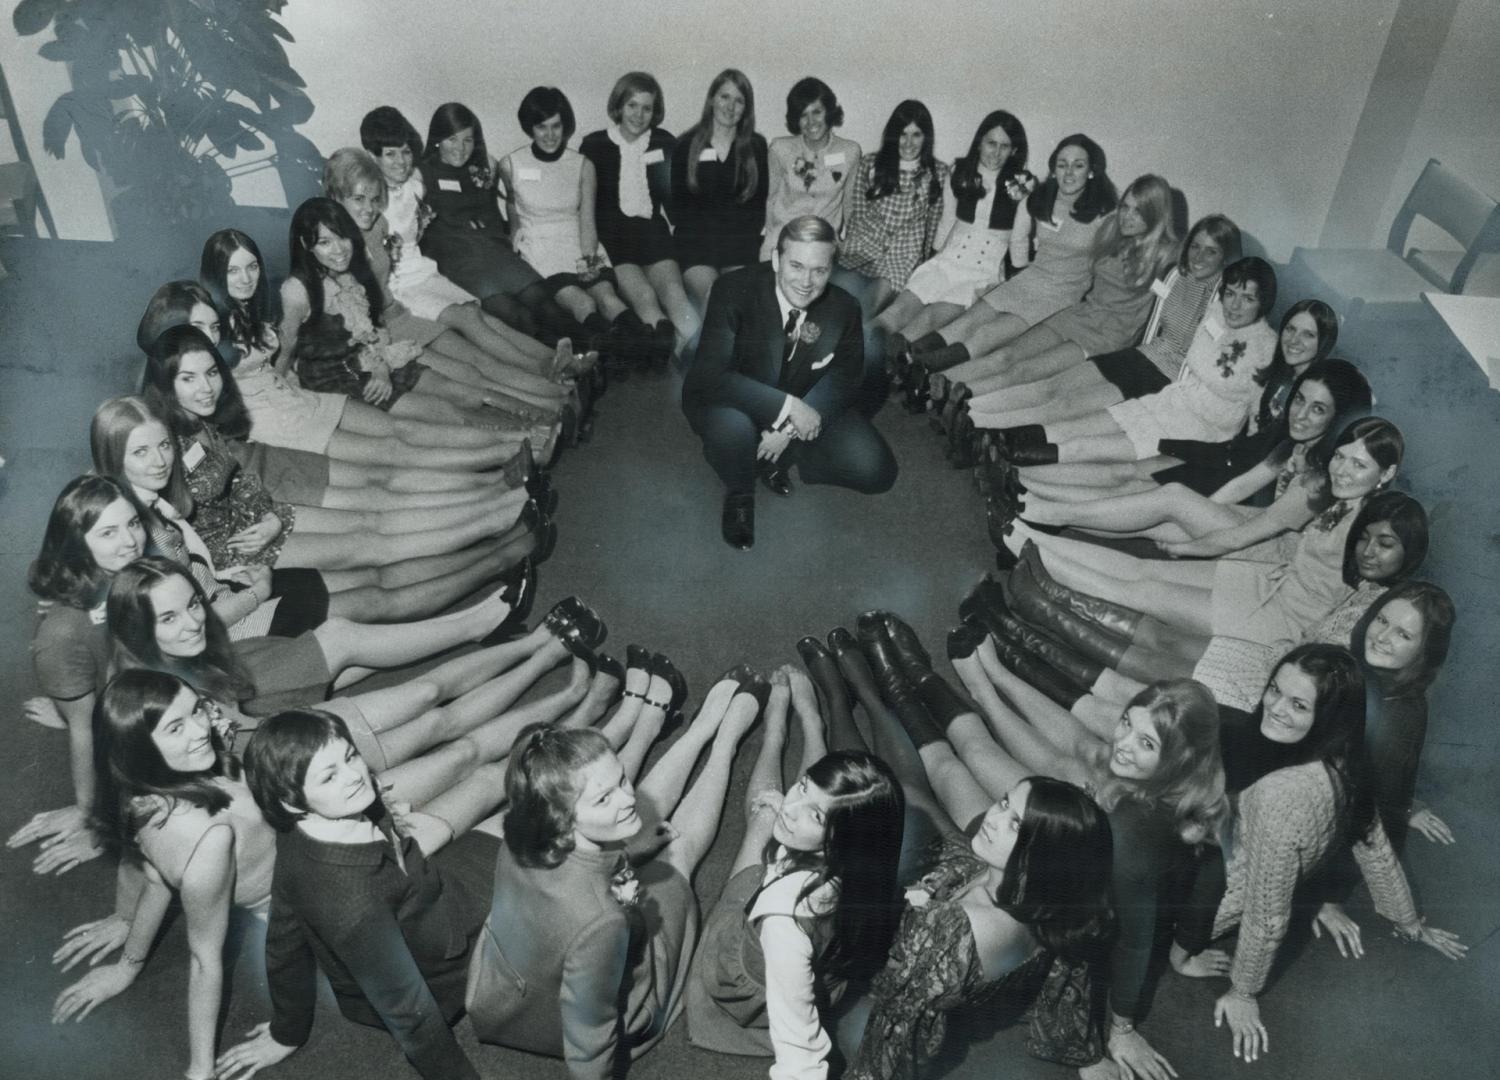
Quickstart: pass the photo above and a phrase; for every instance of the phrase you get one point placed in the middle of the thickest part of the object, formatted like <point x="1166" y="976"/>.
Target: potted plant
<point x="166" y="93"/>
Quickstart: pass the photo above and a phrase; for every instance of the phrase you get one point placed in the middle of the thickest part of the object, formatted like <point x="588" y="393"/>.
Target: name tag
<point x="1159" y="287"/>
<point x="833" y="159"/>
<point x="524" y="173"/>
<point x="449" y="185"/>
<point x="652" y="157"/>
<point x="1052" y="226"/>
<point x="193" y="456"/>
<point x="709" y="155"/>
<point x="1214" y="326"/>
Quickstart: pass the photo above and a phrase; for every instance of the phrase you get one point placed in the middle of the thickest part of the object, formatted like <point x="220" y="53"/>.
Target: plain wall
<point x="1248" y="109"/>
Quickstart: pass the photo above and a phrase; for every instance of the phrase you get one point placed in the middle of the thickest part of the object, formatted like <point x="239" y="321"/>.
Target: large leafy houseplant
<point x="166" y="93"/>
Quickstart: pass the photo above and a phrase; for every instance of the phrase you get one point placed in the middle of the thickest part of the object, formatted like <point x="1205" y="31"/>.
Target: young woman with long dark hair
<point x="1066" y="209"/>
<point x="985" y="229"/>
<point x="897" y="207"/>
<point x="188" y="386"/>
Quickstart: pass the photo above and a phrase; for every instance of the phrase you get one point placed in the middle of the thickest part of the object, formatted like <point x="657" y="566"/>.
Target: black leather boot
<point x="1040" y="676"/>
<point x="1116" y="618"/>
<point x="1067" y="627"/>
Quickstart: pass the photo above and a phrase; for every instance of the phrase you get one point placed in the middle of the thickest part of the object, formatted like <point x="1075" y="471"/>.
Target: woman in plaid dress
<point x="898" y="204"/>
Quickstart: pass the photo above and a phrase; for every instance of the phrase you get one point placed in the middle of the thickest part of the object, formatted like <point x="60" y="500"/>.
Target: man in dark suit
<point x="776" y="377"/>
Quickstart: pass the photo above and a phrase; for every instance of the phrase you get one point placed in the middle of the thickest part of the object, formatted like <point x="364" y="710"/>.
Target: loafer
<point x="778" y="481"/>
<point x="738" y="524"/>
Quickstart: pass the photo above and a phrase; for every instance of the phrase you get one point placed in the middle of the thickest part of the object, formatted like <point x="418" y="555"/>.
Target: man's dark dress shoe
<point x="778" y="481"/>
<point x="739" y="521"/>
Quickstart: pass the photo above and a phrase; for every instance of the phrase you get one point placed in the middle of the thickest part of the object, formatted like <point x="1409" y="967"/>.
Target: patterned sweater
<point x="1287" y="823"/>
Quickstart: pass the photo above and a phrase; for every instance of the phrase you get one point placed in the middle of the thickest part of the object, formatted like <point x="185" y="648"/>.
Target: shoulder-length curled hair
<point x="746" y="169"/>
<point x="449" y="119"/>
<point x="541" y="104"/>
<point x="885" y="174"/>
<point x="158" y="385"/>
<point x="64" y="570"/>
<point x="966" y="179"/>
<point x="385" y="126"/>
<point x="1057" y="879"/>
<point x="864" y="823"/>
<point x="109" y="435"/>
<point x="276" y="760"/>
<point x="1337" y="735"/>
<point x="1151" y="254"/>
<point x="126" y="714"/>
<point x="630" y="84"/>
<point x="247" y="323"/>
<point x="1438" y="615"/>
<point x="347" y="168"/>
<point x="542" y="786"/>
<point x="1352" y="399"/>
<point x="1189" y="777"/>
<point x="1222" y="231"/>
<point x="131" y="617"/>
<point x="172" y="305"/>
<point x="1407" y="520"/>
<point x="807" y="91"/>
<point x="1098" y="196"/>
<point x="325" y="212"/>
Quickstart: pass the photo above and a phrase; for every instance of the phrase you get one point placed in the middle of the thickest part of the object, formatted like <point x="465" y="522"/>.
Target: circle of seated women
<point x="1212" y="739"/>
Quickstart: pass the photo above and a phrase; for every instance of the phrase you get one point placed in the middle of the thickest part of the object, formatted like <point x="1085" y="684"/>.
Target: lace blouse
<point x="934" y="967"/>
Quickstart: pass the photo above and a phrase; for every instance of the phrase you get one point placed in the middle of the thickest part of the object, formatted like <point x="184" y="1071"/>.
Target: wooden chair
<point x="1351" y="278"/>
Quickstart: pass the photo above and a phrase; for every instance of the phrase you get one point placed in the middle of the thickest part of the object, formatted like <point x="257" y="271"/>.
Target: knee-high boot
<point x="1116" y="618"/>
<point x="1065" y="626"/>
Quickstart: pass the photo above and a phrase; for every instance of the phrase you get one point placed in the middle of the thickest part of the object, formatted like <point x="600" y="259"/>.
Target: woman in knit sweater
<point x="1299" y="766"/>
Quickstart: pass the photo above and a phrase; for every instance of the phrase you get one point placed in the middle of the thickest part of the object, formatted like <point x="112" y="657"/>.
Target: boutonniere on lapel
<point x="624" y="886"/>
<point x="1229" y="356"/>
<point x="809" y="332"/>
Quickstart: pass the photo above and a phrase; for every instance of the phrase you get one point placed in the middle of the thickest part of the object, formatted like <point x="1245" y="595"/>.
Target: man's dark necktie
<point x="789" y="336"/>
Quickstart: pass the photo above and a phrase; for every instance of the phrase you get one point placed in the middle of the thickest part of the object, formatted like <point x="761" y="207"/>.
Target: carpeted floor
<point x="639" y="541"/>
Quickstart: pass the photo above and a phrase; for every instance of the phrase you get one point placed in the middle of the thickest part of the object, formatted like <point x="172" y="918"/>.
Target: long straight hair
<point x="965" y="180"/>
<point x="306" y="268"/>
<point x="1150" y="255"/>
<point x="746" y="169"/>
<point x="130" y="764"/>
<point x="131" y="618"/>
<point x="1057" y="879"/>
<point x="1438" y="615"/>
<point x="247" y="323"/>
<point x="886" y="176"/>
<point x="861" y="849"/>
<point x="109" y="433"/>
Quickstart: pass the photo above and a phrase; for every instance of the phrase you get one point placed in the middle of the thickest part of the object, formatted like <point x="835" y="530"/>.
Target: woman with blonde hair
<point x="720" y="177"/>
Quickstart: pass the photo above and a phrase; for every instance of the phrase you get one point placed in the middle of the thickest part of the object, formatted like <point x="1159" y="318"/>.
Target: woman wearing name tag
<point x="1068" y="210"/>
<point x="720" y="178"/>
<point x="812" y="170"/>
<point x="632" y="163"/>
<point x="550" y="201"/>
<point x="468" y="238"/>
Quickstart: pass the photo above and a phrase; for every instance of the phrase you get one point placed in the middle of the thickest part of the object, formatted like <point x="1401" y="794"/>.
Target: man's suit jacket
<point x="739" y="361"/>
